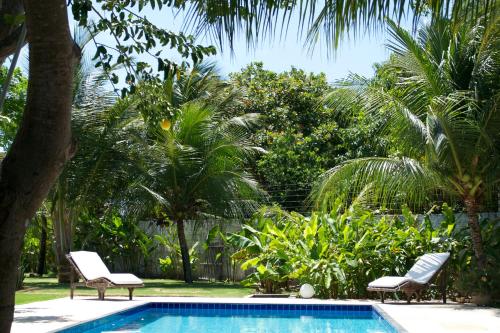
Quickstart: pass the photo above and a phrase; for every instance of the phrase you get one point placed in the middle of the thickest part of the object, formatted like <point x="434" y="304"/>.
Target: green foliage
<point x="135" y="34"/>
<point x="171" y="265"/>
<point x="341" y="252"/>
<point x="442" y="117"/>
<point x="198" y="166"/>
<point x="260" y="248"/>
<point x="467" y="281"/>
<point x="291" y="164"/>
<point x="31" y="245"/>
<point x="10" y="115"/>
<point x="436" y="99"/>
<point x="287" y="101"/>
<point x="202" y="83"/>
<point x="302" y="135"/>
<point x="116" y="238"/>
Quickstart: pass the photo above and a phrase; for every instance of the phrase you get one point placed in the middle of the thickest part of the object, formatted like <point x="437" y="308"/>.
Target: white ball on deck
<point x="306" y="291"/>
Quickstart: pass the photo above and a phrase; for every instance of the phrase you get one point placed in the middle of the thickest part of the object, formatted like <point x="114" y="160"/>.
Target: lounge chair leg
<point x="100" y="292"/>
<point x="130" y="292"/>
<point x="443" y="284"/>
<point x="408" y="297"/>
<point x="71" y="282"/>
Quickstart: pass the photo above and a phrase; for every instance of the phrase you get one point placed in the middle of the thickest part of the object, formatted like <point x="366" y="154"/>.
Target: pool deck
<point x="49" y="316"/>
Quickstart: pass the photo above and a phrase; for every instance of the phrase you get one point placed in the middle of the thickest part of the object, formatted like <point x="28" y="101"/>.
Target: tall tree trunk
<point x="471" y="205"/>
<point x="63" y="232"/>
<point x="43" y="142"/>
<point x="43" y="246"/>
<point x="186" y="262"/>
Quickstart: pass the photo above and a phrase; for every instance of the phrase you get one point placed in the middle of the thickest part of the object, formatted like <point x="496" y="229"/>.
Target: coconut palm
<point x="197" y="166"/>
<point x="443" y="117"/>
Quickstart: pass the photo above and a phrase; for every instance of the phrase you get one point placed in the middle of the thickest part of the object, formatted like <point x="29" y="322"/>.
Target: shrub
<point x="119" y="240"/>
<point x="339" y="253"/>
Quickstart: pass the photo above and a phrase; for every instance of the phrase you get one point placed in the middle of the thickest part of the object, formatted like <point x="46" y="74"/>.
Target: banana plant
<point x="339" y="252"/>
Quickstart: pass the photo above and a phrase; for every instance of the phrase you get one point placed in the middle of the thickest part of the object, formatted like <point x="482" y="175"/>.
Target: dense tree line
<point x="149" y="156"/>
<point x="44" y="143"/>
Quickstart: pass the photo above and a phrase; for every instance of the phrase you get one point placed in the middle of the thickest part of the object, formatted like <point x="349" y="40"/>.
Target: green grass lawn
<point x="42" y="289"/>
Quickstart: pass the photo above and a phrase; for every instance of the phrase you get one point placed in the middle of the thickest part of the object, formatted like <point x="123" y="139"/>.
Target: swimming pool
<point x="240" y="318"/>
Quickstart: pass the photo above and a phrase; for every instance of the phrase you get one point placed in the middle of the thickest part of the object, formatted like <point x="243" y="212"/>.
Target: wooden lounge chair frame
<point x="409" y="288"/>
<point x="101" y="284"/>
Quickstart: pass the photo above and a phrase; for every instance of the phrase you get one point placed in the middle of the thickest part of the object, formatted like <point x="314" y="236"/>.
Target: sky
<point x="356" y="56"/>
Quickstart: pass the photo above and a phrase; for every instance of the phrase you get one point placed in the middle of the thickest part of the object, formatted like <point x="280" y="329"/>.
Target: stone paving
<point x="437" y="317"/>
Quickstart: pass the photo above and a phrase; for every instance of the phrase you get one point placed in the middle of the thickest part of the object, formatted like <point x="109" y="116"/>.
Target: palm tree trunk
<point x="43" y="246"/>
<point x="63" y="232"/>
<point x="471" y="205"/>
<point x="43" y="142"/>
<point x="186" y="262"/>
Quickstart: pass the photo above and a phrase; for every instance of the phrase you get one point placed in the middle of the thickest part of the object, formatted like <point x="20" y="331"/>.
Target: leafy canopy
<point x="303" y="135"/>
<point x="13" y="107"/>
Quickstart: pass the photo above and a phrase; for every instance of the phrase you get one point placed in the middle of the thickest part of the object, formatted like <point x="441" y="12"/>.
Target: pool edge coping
<point x="132" y="306"/>
<point x="375" y="307"/>
<point x="389" y="319"/>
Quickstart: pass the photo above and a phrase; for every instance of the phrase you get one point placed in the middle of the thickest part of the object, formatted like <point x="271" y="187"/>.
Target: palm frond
<point x="330" y="20"/>
<point x="158" y="198"/>
<point x="386" y="182"/>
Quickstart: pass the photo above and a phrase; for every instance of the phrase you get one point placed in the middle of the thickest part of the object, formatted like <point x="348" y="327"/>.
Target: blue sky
<point x="357" y="56"/>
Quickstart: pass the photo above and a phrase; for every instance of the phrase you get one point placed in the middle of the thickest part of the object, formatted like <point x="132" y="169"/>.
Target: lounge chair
<point x="95" y="274"/>
<point x="416" y="280"/>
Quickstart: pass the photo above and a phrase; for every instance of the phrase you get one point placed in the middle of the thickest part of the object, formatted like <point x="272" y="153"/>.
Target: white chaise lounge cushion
<point x="427" y="266"/>
<point x="389" y="282"/>
<point x="90" y="265"/>
<point x="421" y="272"/>
<point x="125" y="279"/>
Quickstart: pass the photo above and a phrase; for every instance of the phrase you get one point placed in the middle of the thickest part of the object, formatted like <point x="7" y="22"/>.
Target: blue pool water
<point x="240" y="318"/>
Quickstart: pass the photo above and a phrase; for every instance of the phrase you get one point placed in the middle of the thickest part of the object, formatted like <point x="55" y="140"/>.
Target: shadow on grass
<point x="195" y="285"/>
<point x="166" y="284"/>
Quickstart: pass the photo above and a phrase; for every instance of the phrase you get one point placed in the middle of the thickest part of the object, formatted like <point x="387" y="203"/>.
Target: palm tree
<point x="442" y="114"/>
<point x="197" y="167"/>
